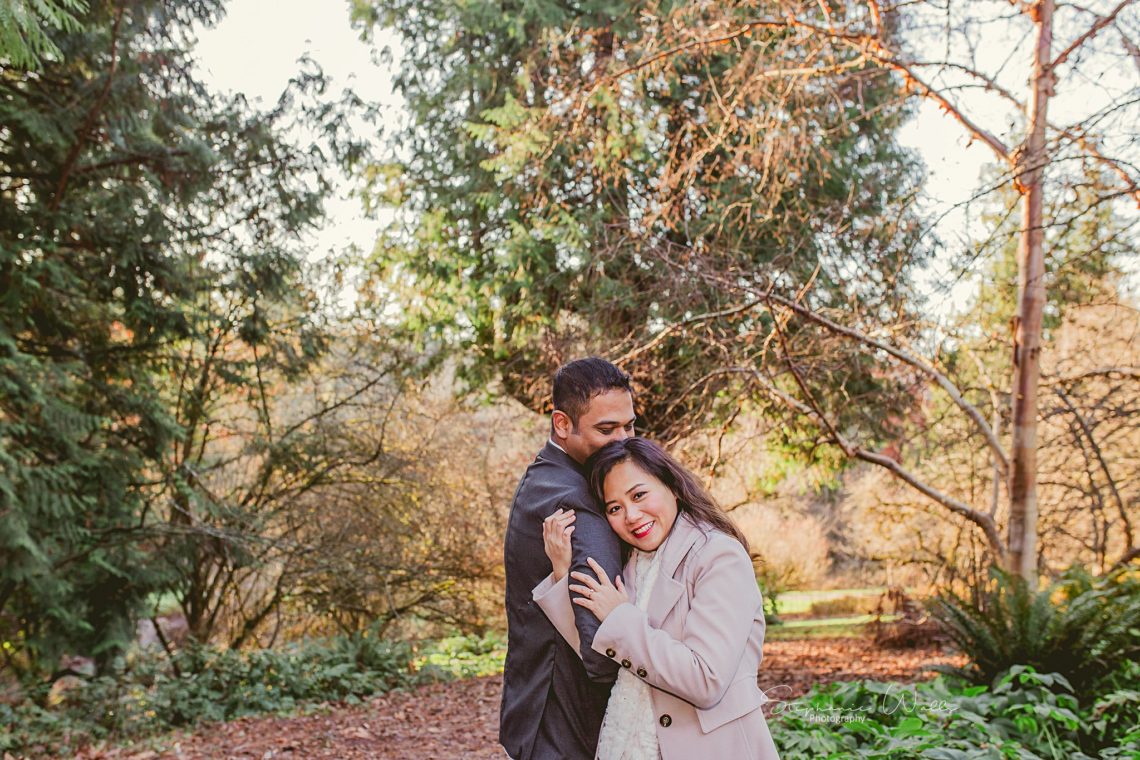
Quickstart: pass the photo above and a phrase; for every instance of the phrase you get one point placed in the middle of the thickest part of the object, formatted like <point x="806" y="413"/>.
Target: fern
<point x="1082" y="627"/>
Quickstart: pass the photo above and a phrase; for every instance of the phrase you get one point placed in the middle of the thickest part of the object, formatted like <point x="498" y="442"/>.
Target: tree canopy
<point x="130" y="197"/>
<point x="596" y="179"/>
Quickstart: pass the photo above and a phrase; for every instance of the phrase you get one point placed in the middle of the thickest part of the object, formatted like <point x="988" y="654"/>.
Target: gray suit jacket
<point x="553" y="698"/>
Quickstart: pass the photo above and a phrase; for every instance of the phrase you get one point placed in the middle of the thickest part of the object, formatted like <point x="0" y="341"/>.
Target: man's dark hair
<point x="576" y="382"/>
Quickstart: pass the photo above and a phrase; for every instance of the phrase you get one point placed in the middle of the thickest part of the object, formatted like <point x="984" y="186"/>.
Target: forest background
<point x="210" y="427"/>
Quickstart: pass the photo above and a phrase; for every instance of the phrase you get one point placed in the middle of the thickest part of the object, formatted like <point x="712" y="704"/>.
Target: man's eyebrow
<point x="608" y="423"/>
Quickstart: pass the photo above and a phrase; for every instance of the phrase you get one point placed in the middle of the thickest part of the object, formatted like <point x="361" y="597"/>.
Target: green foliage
<point x="771" y="587"/>
<point x="151" y="697"/>
<point x="1115" y="716"/>
<point x="1024" y="714"/>
<point x="140" y="216"/>
<point x="1081" y="627"/>
<point x="547" y="213"/>
<point x="24" y="39"/>
<point x="465" y="656"/>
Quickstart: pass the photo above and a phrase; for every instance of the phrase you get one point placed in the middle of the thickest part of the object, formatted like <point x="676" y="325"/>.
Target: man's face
<point x="609" y="417"/>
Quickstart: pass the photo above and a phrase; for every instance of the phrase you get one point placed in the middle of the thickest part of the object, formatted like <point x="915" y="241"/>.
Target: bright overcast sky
<point x="254" y="50"/>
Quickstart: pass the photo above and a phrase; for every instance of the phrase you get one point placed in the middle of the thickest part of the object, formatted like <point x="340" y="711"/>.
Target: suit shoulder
<point x="548" y="483"/>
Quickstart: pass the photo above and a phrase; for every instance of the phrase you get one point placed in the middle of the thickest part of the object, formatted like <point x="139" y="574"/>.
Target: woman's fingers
<point x="602" y="577"/>
<point x="556" y="524"/>
<point x="584" y="578"/>
<point x="560" y="516"/>
<point x="600" y="581"/>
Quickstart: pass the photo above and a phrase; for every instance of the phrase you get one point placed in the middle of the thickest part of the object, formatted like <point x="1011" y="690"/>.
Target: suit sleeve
<point x="701" y="666"/>
<point x="594" y="538"/>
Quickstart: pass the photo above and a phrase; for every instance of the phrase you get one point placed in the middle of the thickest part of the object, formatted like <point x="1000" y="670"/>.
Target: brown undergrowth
<point x="459" y="719"/>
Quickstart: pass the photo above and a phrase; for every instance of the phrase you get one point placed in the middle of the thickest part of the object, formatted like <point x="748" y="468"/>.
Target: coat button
<point x="666" y="721"/>
<point x="641" y="672"/>
<point x="611" y="653"/>
<point x="626" y="664"/>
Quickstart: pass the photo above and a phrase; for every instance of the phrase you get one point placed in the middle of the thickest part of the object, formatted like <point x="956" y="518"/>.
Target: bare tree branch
<point x="1132" y="48"/>
<point x="981" y="519"/>
<point x="1003" y="152"/>
<point x="1099" y="455"/>
<point x="1099" y="24"/>
<point x="915" y="361"/>
<point x="680" y="326"/>
<point x="1133" y="372"/>
<point x="1130" y="555"/>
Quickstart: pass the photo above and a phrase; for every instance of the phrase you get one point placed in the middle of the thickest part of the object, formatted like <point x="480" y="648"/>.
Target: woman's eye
<point x="639" y="494"/>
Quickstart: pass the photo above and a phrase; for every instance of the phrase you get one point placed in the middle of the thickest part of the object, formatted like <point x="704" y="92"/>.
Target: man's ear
<point x="563" y="426"/>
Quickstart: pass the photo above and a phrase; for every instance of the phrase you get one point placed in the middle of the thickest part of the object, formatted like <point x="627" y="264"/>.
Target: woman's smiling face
<point x="641" y="509"/>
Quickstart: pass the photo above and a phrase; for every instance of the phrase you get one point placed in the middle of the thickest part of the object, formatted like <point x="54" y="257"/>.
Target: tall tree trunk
<point x="1030" y="308"/>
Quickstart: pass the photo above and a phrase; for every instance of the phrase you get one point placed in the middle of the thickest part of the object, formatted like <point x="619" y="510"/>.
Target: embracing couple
<point x="634" y="622"/>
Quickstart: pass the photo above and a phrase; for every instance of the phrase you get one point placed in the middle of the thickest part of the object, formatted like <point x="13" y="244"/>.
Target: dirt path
<point x="460" y="719"/>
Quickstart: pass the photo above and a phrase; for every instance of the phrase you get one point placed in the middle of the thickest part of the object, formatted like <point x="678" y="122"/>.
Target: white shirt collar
<point x="555" y="445"/>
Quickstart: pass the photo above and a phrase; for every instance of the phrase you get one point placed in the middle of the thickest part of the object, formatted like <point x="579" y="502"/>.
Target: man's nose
<point x="622" y="434"/>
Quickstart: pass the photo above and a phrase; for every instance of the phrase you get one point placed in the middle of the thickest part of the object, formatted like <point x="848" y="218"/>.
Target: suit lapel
<point x="669" y="589"/>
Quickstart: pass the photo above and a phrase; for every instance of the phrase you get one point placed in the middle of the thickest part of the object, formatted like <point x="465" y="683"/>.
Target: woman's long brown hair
<point x="692" y="498"/>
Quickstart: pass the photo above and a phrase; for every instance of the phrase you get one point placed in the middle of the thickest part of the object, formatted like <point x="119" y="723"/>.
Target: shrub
<point x="1082" y="627"/>
<point x="913" y="627"/>
<point x="844" y="605"/>
<point x="464" y="656"/>
<point x="1024" y="714"/>
<point x="152" y="694"/>
<point x="1115" y="716"/>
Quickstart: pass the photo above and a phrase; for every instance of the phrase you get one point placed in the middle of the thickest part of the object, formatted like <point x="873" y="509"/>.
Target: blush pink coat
<point x="698" y="645"/>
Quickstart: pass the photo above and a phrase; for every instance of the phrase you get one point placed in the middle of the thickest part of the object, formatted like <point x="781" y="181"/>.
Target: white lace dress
<point x="629" y="731"/>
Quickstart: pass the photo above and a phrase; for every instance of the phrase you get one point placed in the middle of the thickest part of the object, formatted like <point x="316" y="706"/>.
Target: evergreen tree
<point x="580" y="179"/>
<point x="24" y="41"/>
<point x="128" y="195"/>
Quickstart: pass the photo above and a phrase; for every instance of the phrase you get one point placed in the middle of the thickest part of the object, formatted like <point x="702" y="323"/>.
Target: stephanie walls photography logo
<point x="893" y="699"/>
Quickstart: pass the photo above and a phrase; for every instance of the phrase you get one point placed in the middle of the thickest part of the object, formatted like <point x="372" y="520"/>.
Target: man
<point x="554" y="701"/>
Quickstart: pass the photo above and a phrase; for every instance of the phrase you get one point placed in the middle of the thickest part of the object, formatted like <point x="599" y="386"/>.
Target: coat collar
<point x="682" y="538"/>
<point x="669" y="589"/>
<point x="555" y="455"/>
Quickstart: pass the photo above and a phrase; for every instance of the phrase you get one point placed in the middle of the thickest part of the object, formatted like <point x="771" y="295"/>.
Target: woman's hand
<point x="556" y="531"/>
<point x="598" y="596"/>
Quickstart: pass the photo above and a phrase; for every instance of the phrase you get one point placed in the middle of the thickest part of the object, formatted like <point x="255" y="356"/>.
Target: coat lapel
<point x="669" y="588"/>
<point x="629" y="577"/>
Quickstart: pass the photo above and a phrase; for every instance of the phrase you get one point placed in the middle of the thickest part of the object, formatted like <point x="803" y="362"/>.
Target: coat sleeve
<point x="701" y="665"/>
<point x="553" y="597"/>
<point x="594" y="538"/>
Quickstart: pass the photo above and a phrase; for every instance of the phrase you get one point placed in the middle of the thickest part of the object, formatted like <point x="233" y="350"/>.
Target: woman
<point x="687" y="622"/>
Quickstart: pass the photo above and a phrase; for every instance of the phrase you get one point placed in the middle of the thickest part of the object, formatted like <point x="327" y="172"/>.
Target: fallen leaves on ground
<point x="460" y="719"/>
